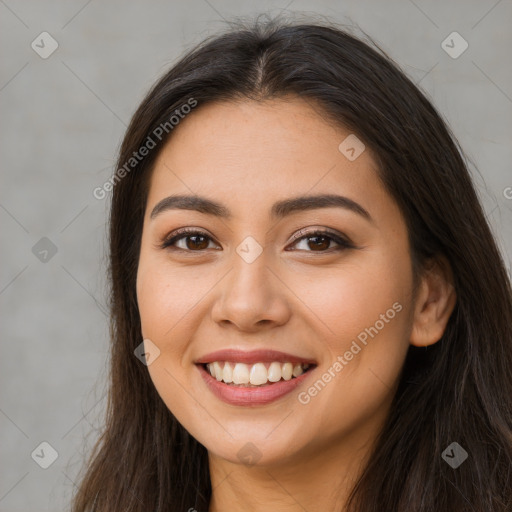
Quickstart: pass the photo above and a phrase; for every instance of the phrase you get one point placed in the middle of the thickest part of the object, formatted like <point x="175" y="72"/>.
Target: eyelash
<point x="302" y="234"/>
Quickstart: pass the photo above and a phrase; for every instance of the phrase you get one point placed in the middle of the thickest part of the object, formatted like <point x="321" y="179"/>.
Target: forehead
<point x="248" y="153"/>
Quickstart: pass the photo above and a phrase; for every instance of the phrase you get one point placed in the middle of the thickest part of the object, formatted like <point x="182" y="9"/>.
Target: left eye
<point x="199" y="241"/>
<point x="322" y="240"/>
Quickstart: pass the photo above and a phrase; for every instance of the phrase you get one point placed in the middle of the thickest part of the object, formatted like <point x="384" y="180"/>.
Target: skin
<point x="295" y="297"/>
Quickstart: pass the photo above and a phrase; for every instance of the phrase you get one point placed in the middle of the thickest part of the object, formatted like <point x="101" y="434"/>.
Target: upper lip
<point x="253" y="356"/>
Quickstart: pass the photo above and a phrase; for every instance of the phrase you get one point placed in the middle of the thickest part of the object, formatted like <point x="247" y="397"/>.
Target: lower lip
<point x="236" y="395"/>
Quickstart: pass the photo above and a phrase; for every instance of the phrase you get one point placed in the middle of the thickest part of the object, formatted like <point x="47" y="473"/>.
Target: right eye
<point x="199" y="240"/>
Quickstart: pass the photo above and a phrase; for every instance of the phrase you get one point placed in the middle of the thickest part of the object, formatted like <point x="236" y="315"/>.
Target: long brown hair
<point x="457" y="390"/>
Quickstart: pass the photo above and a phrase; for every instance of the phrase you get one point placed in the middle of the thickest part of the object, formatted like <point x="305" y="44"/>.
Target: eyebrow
<point x="280" y="209"/>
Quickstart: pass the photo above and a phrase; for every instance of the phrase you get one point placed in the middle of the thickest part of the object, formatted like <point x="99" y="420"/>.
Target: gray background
<point x="62" y="121"/>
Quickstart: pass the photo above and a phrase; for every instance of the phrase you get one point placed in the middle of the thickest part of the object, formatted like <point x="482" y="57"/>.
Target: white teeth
<point x="240" y="374"/>
<point x="297" y="370"/>
<point x="256" y="374"/>
<point x="274" y="372"/>
<point x="218" y="370"/>
<point x="227" y="373"/>
<point x="287" y="371"/>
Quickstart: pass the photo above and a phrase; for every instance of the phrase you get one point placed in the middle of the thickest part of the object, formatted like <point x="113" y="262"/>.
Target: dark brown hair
<point x="459" y="389"/>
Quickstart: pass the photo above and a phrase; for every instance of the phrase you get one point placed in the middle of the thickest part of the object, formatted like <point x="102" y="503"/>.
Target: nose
<point x="252" y="297"/>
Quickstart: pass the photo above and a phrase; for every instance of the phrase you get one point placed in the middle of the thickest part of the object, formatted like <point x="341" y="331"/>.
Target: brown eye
<point x="320" y="241"/>
<point x="195" y="241"/>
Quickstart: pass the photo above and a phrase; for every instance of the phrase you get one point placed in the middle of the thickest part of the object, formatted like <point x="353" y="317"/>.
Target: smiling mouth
<point x="236" y="374"/>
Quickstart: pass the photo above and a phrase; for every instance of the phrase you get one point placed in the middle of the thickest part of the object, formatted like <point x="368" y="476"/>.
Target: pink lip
<point x="252" y="357"/>
<point x="250" y="396"/>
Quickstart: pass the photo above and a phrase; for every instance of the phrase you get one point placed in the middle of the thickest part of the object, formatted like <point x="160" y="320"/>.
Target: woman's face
<point x="256" y="279"/>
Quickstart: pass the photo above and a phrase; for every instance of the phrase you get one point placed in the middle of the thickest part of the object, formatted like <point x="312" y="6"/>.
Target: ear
<point x="435" y="300"/>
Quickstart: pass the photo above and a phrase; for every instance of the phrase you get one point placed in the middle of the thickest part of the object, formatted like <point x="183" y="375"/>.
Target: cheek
<point x="166" y="296"/>
<point x="166" y="303"/>
<point x="367" y="311"/>
<point x="171" y="306"/>
<point x="348" y="301"/>
<point x="362" y="312"/>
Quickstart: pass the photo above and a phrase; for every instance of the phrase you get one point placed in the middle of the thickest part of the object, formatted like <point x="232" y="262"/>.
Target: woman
<point x="309" y="311"/>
